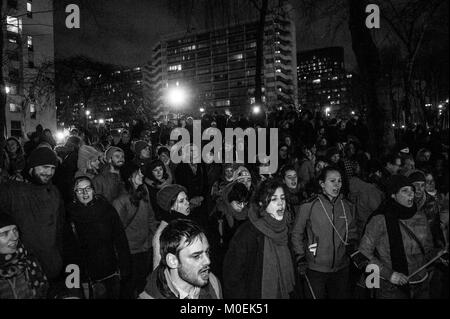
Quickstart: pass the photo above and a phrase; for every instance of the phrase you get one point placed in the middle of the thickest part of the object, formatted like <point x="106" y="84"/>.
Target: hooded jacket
<point x="312" y="226"/>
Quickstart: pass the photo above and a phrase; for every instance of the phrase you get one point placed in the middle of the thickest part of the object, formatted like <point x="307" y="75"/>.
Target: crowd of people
<point x="139" y="225"/>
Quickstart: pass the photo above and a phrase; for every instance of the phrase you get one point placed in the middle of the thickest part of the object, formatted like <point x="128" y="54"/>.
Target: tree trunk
<point x="2" y="82"/>
<point x="381" y="136"/>
<point x="260" y="51"/>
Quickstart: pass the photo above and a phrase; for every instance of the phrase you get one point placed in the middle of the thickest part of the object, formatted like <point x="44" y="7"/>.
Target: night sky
<point x="123" y="32"/>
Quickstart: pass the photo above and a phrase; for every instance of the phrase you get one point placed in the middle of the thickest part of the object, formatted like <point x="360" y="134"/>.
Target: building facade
<point x="100" y="95"/>
<point x="216" y="68"/>
<point x="28" y="65"/>
<point x="323" y="83"/>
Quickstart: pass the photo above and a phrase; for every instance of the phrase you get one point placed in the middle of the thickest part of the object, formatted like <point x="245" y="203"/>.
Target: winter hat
<point x="6" y="220"/>
<point x="395" y="182"/>
<point x="41" y="156"/>
<point x="111" y="150"/>
<point x="240" y="173"/>
<point x="165" y="195"/>
<point x="139" y="146"/>
<point x="86" y="153"/>
<point x="416" y="176"/>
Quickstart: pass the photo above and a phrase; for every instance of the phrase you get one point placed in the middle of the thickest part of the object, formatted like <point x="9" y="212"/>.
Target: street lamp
<point x="256" y="109"/>
<point x="202" y="110"/>
<point x="327" y="111"/>
<point x="87" y="112"/>
<point x="101" y="121"/>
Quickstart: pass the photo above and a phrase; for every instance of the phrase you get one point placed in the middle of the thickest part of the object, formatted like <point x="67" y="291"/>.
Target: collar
<point x="177" y="291"/>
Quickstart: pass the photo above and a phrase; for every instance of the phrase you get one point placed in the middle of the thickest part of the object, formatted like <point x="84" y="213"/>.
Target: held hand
<point x="302" y="266"/>
<point x="398" y="279"/>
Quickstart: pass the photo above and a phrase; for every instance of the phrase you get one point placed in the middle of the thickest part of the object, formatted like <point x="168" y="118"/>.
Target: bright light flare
<point x="177" y="96"/>
<point x="256" y="109"/>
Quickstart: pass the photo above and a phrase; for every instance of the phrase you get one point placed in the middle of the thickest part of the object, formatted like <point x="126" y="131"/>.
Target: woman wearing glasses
<point x="103" y="251"/>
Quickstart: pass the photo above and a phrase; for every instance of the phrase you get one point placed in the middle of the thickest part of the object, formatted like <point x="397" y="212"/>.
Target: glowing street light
<point x="177" y="96"/>
<point x="256" y="109"/>
<point x="440" y="106"/>
<point x="7" y="89"/>
<point x="393" y="124"/>
<point x="202" y="110"/>
<point x="353" y="112"/>
<point x="87" y="112"/>
<point x="101" y="121"/>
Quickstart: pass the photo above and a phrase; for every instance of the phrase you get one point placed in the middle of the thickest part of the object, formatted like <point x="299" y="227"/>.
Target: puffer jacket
<point x="312" y="226"/>
<point x="375" y="244"/>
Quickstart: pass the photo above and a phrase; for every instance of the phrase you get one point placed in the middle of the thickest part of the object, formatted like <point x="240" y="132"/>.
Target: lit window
<point x="30" y="42"/>
<point x="238" y="57"/>
<point x="278" y="70"/>
<point x="14" y="108"/>
<point x="176" y="67"/>
<point x="29" y="9"/>
<point x="316" y="81"/>
<point x="334" y="78"/>
<point x="13" y="24"/>
<point x="349" y="76"/>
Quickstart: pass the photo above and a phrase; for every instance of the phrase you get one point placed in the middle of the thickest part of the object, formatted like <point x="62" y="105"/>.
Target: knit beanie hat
<point x="86" y="153"/>
<point x="111" y="150"/>
<point x="6" y="220"/>
<point x="240" y="173"/>
<point x="395" y="182"/>
<point x="139" y="146"/>
<point x="416" y="176"/>
<point x="41" y="156"/>
<point x="165" y="195"/>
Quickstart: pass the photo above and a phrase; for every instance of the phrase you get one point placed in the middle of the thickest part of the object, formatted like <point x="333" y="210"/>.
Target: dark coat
<point x="38" y="211"/>
<point x="101" y="238"/>
<point x="243" y="264"/>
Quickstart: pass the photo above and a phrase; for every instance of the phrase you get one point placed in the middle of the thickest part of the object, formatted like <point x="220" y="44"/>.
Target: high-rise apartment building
<point x="323" y="83"/>
<point x="216" y="68"/>
<point x="28" y="65"/>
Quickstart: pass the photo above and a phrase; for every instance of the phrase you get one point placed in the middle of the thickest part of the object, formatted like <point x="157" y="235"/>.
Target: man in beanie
<point x="109" y="182"/>
<point x="37" y="208"/>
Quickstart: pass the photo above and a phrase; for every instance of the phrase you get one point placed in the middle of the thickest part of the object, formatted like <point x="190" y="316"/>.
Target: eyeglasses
<point x="81" y="191"/>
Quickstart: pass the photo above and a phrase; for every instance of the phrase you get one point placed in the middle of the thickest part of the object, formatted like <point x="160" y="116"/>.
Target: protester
<point x="103" y="249"/>
<point x="109" y="183"/>
<point x="138" y="219"/>
<point x="258" y="264"/>
<point x="403" y="243"/>
<point x="37" y="209"/>
<point x="184" y="271"/>
<point x="323" y="237"/>
<point x="21" y="275"/>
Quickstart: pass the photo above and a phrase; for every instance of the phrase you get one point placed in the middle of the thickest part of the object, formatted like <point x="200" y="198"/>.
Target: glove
<point x="359" y="260"/>
<point x="302" y="266"/>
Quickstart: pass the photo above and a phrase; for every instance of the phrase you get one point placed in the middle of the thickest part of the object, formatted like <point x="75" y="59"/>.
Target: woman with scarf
<point x="323" y="237"/>
<point x="258" y="264"/>
<point x="102" y="244"/>
<point x="21" y="276"/>
<point x="398" y="240"/>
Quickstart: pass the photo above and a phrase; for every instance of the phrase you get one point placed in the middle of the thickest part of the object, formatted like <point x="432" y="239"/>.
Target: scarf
<point x="393" y="213"/>
<point x="12" y="265"/>
<point x="278" y="272"/>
